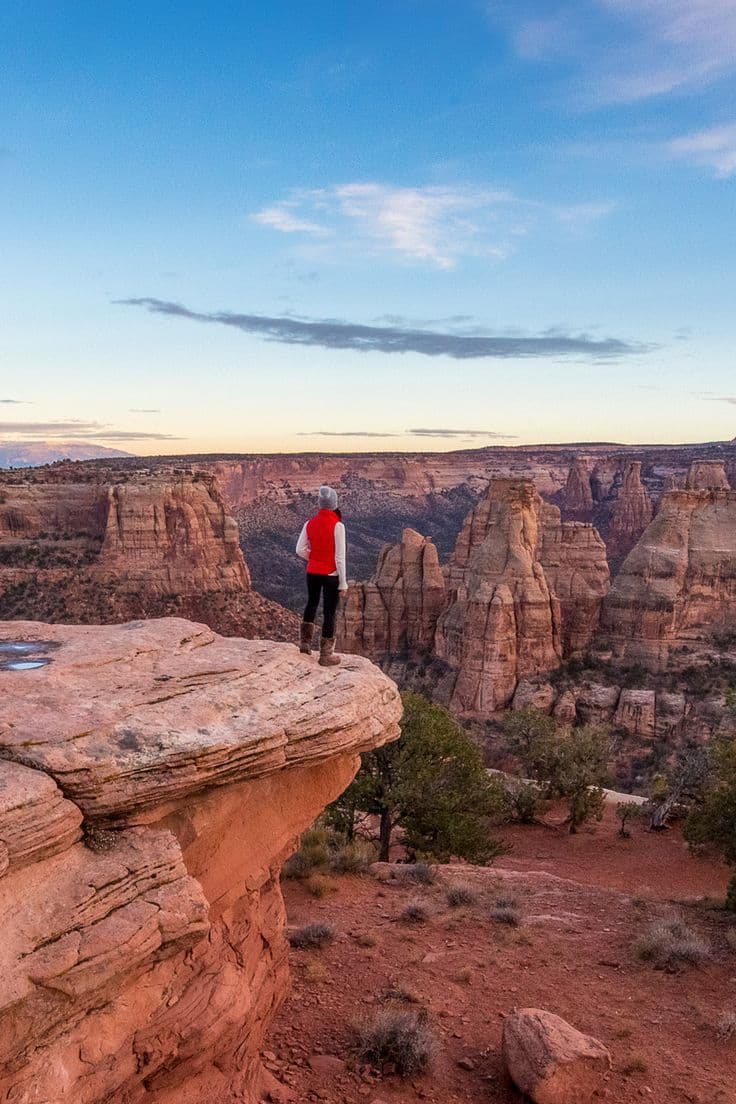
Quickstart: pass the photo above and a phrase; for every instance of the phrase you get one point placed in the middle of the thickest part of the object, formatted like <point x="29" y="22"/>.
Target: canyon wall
<point x="85" y="543"/>
<point x="678" y="585"/>
<point x="153" y="776"/>
<point x="521" y="590"/>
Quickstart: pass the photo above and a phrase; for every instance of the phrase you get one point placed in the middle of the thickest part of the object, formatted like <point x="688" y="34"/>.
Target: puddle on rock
<point x="25" y="655"/>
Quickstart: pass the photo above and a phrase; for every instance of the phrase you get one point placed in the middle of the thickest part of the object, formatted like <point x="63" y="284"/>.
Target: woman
<point x="322" y="544"/>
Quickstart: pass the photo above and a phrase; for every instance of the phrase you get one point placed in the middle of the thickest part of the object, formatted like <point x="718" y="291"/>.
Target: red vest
<point x="321" y="536"/>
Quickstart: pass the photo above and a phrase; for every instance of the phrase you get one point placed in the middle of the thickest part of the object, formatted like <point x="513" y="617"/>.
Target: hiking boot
<point x="305" y="637"/>
<point x="327" y="657"/>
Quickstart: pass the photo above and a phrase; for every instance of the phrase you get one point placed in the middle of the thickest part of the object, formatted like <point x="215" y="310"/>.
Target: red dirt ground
<point x="583" y="900"/>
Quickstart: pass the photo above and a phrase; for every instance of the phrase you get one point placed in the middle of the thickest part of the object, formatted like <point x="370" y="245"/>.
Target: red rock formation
<point x="573" y="558"/>
<point x="707" y="475"/>
<point x="632" y="512"/>
<point x="502" y="622"/>
<point x="679" y="582"/>
<point x="92" y="544"/>
<point x="396" y="611"/>
<point x="522" y="587"/>
<point x="144" y="964"/>
<point x="577" y="499"/>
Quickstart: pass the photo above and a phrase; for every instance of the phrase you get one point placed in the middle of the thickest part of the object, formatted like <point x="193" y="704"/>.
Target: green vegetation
<point x="432" y="783"/>
<point x="713" y="819"/>
<point x="669" y="944"/>
<point x="567" y="763"/>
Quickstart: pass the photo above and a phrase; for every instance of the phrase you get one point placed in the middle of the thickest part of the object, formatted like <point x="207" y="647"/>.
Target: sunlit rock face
<point x="92" y="544"/>
<point x="678" y="584"/>
<point x="153" y="776"/>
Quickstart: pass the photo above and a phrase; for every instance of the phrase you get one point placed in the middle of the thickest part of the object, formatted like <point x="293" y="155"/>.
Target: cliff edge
<point x="153" y="776"/>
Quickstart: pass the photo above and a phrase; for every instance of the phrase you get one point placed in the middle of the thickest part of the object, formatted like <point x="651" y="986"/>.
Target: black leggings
<point x="326" y="585"/>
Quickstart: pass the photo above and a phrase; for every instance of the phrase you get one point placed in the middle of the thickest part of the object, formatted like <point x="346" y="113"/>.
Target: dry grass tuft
<point x="311" y="935"/>
<point x="397" y="1038"/>
<point x="669" y="944"/>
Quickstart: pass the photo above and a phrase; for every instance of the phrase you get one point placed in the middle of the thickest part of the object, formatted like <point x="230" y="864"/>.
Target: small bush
<point x="506" y="911"/>
<point x="297" y="866"/>
<point x="352" y="858"/>
<point x="311" y="935"/>
<point x="398" y="1038"/>
<point x="421" y="872"/>
<point x="635" y="1063"/>
<point x="669" y="944"/>
<point x="365" y="939"/>
<point x="315" y="972"/>
<point x="319" y="886"/>
<point x="415" y="912"/>
<point x="727" y="1026"/>
<point x="461" y="894"/>
<point x="464" y="976"/>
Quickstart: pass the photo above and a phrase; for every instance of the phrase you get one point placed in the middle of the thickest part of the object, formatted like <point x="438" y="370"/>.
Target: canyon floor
<point x="583" y="900"/>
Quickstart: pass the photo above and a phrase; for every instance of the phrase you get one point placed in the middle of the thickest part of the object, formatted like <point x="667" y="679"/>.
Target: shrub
<point x="311" y="935"/>
<point x="421" y="872"/>
<point x="635" y="1063"/>
<point x="525" y="800"/>
<point x="461" y="894"/>
<point x="319" y="886"/>
<point x="506" y="911"/>
<point x="352" y="858"/>
<point x="398" y="1038"/>
<point x="669" y="944"/>
<point x="415" y="912"/>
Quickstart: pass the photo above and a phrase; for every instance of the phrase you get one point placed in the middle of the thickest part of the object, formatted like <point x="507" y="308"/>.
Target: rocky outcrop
<point x="573" y="558"/>
<point x="502" y="622"/>
<point x="679" y="583"/>
<point x="632" y="511"/>
<point x="549" y="1060"/>
<point x="395" y="613"/>
<point x="142" y="963"/>
<point x="91" y="544"/>
<point x="521" y="589"/>
<point x="707" y="475"/>
<point x="577" y="498"/>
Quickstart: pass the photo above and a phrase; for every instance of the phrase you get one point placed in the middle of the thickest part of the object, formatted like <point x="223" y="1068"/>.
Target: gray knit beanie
<point x="327" y="498"/>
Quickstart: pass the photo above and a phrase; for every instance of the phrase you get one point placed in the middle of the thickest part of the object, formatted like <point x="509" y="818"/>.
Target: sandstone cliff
<point x="577" y="500"/>
<point x="521" y="590"/>
<point x="86" y="544"/>
<point x="153" y="777"/>
<point x="395" y="613"/>
<point x="679" y="582"/>
<point x="631" y="513"/>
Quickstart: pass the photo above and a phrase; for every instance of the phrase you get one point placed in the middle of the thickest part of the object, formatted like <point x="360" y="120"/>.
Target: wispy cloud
<point x="78" y="431"/>
<point x="622" y="51"/>
<point x="143" y="410"/>
<point x="335" y="334"/>
<point x="488" y="434"/>
<point x="281" y="217"/>
<point x="447" y="433"/>
<point x="13" y="402"/>
<point x="714" y="148"/>
<point x="724" y="398"/>
<point x="430" y="224"/>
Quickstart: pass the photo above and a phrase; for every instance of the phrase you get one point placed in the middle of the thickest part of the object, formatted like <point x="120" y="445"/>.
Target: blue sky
<point x="402" y="224"/>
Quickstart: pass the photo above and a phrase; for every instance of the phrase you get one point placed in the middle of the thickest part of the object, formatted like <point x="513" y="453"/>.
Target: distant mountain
<point x="30" y="454"/>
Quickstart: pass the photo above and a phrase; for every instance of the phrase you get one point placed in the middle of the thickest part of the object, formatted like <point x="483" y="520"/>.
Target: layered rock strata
<point x="678" y="584"/>
<point x="396" y="611"/>
<point x="577" y="499"/>
<point x="521" y="589"/>
<point x="141" y="962"/>
<point x="87" y="544"/>
<point x="632" y="511"/>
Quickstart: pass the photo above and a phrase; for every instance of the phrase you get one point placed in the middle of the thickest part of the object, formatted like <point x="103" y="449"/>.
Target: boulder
<point x="534" y="695"/>
<point x="565" y="710"/>
<point x="551" y="1061"/>
<point x="596" y="703"/>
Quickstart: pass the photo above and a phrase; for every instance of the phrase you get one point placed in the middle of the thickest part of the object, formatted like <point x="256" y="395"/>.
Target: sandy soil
<point x="583" y="901"/>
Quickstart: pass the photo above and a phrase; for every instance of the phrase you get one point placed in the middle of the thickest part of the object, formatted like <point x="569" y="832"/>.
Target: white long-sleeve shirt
<point x="303" y="549"/>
